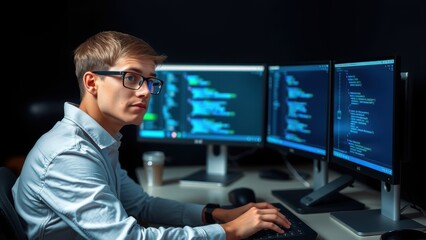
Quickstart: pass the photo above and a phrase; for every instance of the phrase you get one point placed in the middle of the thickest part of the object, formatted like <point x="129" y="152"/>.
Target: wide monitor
<point x="297" y="125"/>
<point x="367" y="137"/>
<point x="217" y="105"/>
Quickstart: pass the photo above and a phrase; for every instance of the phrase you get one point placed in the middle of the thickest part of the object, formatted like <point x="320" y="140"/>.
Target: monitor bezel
<point x="397" y="126"/>
<point x="222" y="141"/>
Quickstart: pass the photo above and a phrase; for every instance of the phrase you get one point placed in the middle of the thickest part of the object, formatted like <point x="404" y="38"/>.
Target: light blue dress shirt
<point x="73" y="187"/>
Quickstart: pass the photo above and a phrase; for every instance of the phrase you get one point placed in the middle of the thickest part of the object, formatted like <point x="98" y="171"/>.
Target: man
<point x="72" y="185"/>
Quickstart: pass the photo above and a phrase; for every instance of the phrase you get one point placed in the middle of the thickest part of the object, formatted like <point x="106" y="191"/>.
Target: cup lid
<point x="154" y="156"/>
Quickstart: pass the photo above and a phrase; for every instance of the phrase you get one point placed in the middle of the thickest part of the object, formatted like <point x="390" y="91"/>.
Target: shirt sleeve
<point x="157" y="210"/>
<point x="83" y="197"/>
<point x="210" y="232"/>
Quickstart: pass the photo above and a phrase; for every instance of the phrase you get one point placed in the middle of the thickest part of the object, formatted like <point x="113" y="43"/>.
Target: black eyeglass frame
<point x="140" y="83"/>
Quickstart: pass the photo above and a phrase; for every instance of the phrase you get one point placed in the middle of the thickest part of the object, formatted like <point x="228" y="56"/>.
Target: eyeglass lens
<point x="135" y="81"/>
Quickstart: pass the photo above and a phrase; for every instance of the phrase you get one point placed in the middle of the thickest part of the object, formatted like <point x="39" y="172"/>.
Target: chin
<point x="136" y="121"/>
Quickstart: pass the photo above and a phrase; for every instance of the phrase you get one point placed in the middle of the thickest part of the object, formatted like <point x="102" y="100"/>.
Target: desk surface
<point x="326" y="227"/>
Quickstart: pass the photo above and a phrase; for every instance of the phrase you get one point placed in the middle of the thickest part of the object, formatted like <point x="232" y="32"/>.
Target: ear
<point x="89" y="81"/>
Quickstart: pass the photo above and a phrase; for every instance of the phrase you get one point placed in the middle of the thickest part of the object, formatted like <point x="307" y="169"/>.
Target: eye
<point x="131" y="77"/>
<point x="156" y="83"/>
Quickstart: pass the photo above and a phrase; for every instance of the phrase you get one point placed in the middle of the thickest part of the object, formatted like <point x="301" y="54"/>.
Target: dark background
<point x="251" y="31"/>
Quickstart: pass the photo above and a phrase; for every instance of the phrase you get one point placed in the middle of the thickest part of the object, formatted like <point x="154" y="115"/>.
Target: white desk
<point x="326" y="227"/>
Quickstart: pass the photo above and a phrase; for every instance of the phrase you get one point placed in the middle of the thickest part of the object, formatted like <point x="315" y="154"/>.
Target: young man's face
<point x="122" y="106"/>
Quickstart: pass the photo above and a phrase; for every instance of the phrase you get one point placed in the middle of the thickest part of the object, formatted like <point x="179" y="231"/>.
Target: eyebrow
<point x="135" y="70"/>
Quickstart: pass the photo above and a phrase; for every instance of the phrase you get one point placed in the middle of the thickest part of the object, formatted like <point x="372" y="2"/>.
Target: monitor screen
<point x="298" y="108"/>
<point x="217" y="105"/>
<point x="367" y="137"/>
<point x="207" y="104"/>
<point x="367" y="118"/>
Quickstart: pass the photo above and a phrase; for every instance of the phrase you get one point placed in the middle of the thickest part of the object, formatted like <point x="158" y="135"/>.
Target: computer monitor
<point x="297" y="124"/>
<point x="367" y="137"/>
<point x="217" y="105"/>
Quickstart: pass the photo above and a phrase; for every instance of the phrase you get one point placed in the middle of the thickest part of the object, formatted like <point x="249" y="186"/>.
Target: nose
<point x="144" y="90"/>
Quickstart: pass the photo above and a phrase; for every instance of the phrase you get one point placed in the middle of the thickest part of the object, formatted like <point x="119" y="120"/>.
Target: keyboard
<point x="299" y="230"/>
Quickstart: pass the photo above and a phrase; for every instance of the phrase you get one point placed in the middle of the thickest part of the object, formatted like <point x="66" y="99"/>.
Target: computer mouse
<point x="241" y="196"/>
<point x="404" y="234"/>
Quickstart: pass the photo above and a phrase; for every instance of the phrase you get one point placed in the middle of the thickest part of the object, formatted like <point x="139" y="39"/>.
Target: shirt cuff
<point x="214" y="232"/>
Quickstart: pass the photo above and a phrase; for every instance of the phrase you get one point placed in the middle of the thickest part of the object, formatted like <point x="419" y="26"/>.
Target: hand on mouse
<point x="244" y="221"/>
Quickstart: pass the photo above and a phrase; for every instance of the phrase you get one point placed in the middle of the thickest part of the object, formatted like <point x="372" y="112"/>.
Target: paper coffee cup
<point x="153" y="163"/>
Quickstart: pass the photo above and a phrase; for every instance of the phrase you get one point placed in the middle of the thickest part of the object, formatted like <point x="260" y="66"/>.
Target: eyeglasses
<point x="134" y="81"/>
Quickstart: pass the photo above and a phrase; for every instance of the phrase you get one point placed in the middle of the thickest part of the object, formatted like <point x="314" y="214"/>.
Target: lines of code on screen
<point x="297" y="107"/>
<point x="207" y="103"/>
<point x="363" y="113"/>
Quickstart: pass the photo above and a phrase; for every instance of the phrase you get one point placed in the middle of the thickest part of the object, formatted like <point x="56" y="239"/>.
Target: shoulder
<point x="64" y="137"/>
<point x="64" y="144"/>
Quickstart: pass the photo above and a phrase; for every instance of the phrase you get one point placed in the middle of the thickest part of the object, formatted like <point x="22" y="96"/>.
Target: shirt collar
<point x="99" y="135"/>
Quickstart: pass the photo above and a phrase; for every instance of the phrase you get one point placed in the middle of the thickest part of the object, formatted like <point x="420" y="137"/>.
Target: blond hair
<point x="102" y="50"/>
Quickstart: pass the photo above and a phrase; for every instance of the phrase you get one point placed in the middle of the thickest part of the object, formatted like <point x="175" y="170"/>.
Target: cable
<point x="296" y="174"/>
<point x="414" y="206"/>
<point x="293" y="171"/>
<point x="246" y="153"/>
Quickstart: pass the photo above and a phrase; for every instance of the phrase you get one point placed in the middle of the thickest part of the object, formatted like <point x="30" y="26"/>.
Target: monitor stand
<point x="216" y="173"/>
<point x="378" y="221"/>
<point x="323" y="197"/>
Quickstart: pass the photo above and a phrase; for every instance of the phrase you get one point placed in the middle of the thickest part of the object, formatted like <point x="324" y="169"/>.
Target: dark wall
<point x="220" y="31"/>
